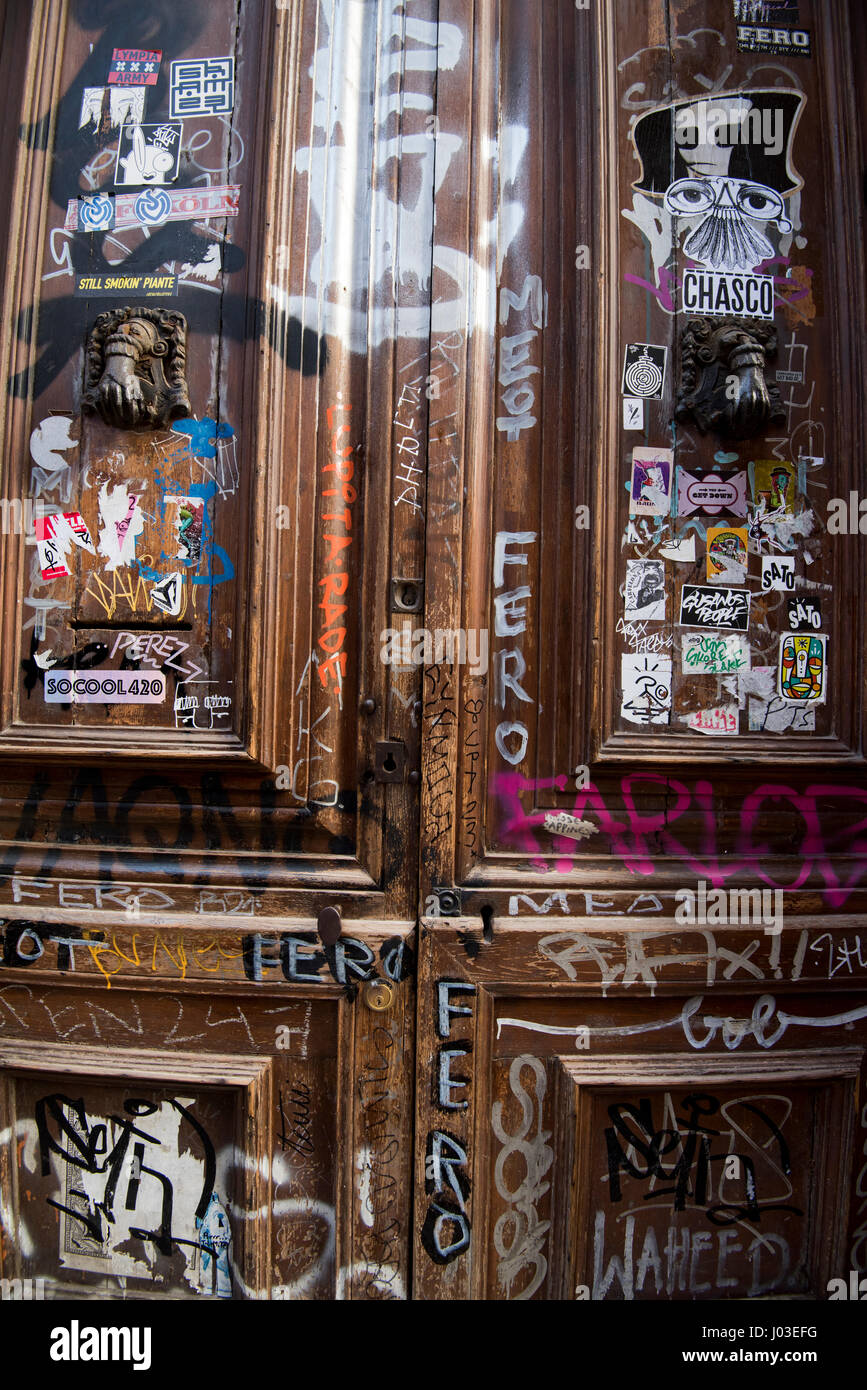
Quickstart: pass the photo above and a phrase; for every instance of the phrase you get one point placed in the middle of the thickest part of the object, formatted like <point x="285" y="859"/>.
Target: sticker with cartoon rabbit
<point x="149" y="154"/>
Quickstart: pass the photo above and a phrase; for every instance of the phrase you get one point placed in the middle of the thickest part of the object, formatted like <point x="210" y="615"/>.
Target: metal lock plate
<point x="378" y="995"/>
<point x="407" y="595"/>
<point x="390" y="760"/>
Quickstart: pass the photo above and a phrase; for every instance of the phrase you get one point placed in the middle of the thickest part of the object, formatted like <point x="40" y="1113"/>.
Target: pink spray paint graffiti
<point x="647" y="836"/>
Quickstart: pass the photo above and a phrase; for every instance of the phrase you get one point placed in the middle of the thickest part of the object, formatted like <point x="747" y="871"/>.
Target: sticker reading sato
<point x="646" y="689"/>
<point x="802" y="666"/>
<point x="774" y="485"/>
<point x="149" y="154"/>
<point x="645" y="590"/>
<point x="105" y="687"/>
<point x="643" y="371"/>
<point x="54" y="536"/>
<point x="727" y="557"/>
<point x="650" y="492"/>
<point x="202" y="87"/>
<point x="712" y="493"/>
<point x="714" y="653"/>
<point x="713" y="608"/>
<point x="805" y="614"/>
<point x="778" y="574"/>
<point x="135" y="67"/>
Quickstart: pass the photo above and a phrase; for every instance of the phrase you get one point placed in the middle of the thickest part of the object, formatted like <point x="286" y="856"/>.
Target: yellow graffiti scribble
<point x="134" y="959"/>
<point x="174" y="949"/>
<point x="136" y="596"/>
<point x="180" y="962"/>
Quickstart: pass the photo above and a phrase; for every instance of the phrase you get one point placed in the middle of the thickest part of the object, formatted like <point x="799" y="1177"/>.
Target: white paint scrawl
<point x="121" y="521"/>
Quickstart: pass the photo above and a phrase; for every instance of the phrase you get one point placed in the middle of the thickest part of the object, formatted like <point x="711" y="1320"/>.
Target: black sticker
<point x="643" y="371"/>
<point x="142" y="286"/>
<point x="788" y="43"/>
<point x="805" y="614"/>
<point x="704" y="606"/>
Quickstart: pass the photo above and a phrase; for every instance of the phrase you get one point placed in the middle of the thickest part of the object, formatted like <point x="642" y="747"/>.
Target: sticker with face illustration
<point x="727" y="554"/>
<point x="650" y="492"/>
<point x="774" y="485"/>
<point x="148" y="154"/>
<point x="720" y="168"/>
<point x="645" y="590"/>
<point x="646" y="685"/>
<point x="802" y="669"/>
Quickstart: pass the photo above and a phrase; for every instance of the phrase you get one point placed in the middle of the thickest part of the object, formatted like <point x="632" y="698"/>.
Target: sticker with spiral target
<point x="644" y="371"/>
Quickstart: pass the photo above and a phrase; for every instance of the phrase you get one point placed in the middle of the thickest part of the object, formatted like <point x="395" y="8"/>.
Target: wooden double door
<point x="433" y="775"/>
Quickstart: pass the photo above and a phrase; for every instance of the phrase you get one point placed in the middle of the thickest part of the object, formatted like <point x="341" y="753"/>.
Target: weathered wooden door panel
<point x="617" y="1115"/>
<point x="544" y="770"/>
<point x="478" y="547"/>
<point x="195" y="570"/>
<point x="280" y="1099"/>
<point x="203" y="748"/>
<point x="679" y="221"/>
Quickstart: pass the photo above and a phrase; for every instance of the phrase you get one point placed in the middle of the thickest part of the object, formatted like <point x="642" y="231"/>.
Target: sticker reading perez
<point x="805" y="614"/>
<point x="778" y="573"/>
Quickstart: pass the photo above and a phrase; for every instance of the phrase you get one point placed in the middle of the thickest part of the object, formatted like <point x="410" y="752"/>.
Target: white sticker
<point x="571" y="826"/>
<point x="722" y="719"/>
<point x="644" y="592"/>
<point x="646" y="682"/>
<point x="682" y="549"/>
<point x="105" y="687"/>
<point x="714" y="653"/>
<point x="778" y="573"/>
<point x="633" y="413"/>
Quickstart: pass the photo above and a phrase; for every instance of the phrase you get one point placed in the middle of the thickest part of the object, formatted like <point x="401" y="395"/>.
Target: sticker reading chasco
<point x="107" y="687"/>
<point x="719" y="292"/>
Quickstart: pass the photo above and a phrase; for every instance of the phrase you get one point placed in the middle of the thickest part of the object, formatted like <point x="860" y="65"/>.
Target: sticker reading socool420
<point x="104" y="687"/>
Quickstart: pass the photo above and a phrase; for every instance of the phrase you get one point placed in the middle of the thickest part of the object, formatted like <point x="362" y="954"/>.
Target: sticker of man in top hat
<point x="722" y="167"/>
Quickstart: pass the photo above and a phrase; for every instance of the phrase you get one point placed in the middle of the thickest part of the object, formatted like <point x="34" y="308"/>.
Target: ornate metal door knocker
<point x="135" y="368"/>
<point x="723" y="377"/>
